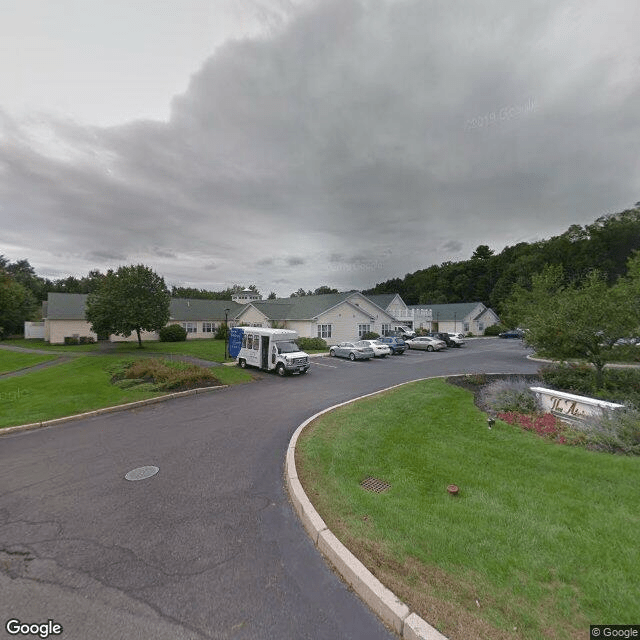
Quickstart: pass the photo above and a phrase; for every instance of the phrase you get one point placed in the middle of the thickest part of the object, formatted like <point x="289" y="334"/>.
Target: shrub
<point x="370" y="335"/>
<point x="172" y="333"/>
<point x="619" y="385"/>
<point x="312" y="344"/>
<point x="509" y="396"/>
<point x="166" y="375"/>
<point x="616" y="432"/>
<point x="494" y="330"/>
<point x="71" y="340"/>
<point x="573" y="378"/>
<point x="222" y="332"/>
<point x="86" y="340"/>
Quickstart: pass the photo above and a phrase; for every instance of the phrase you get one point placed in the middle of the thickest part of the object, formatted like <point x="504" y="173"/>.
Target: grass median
<point x="84" y="384"/>
<point x="540" y="542"/>
<point x="14" y="361"/>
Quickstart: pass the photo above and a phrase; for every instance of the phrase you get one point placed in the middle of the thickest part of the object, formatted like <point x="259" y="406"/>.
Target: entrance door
<point x="264" y="351"/>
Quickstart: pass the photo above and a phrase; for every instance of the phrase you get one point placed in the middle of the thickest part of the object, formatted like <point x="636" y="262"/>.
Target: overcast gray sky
<point x="298" y="143"/>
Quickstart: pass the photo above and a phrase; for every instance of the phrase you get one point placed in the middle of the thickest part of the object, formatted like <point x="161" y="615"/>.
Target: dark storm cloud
<point x="360" y="127"/>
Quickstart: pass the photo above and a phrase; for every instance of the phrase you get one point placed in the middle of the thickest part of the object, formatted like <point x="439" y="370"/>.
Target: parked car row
<point x="394" y="345"/>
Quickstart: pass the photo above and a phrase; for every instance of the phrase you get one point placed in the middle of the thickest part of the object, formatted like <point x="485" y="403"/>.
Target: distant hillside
<point x="606" y="244"/>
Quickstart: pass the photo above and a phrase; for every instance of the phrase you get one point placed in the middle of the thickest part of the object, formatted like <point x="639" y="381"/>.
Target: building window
<point x="386" y="329"/>
<point x="256" y="324"/>
<point x="362" y="329"/>
<point x="208" y="327"/>
<point x="190" y="327"/>
<point x="480" y="326"/>
<point x="324" y="331"/>
<point x="466" y="327"/>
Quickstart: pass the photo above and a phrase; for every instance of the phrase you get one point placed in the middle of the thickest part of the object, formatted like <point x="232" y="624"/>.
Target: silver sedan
<point x="426" y="343"/>
<point x="352" y="351"/>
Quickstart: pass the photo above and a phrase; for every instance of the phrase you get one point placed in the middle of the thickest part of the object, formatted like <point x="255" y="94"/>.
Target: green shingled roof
<point x="71" y="306"/>
<point x="300" y="307"/>
<point x="445" y="312"/>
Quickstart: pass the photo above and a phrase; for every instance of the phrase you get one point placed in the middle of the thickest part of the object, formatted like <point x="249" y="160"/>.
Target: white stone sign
<point x="572" y="407"/>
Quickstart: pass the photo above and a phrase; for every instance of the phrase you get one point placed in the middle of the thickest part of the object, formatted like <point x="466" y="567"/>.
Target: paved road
<point x="209" y="547"/>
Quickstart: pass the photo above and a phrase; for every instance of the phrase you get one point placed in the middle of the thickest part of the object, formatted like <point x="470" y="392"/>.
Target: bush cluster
<point x="512" y="395"/>
<point x="312" y="344"/>
<point x="172" y="333"/>
<point x="79" y="340"/>
<point x="370" y="335"/>
<point x="616" y="432"/>
<point x="222" y="332"/>
<point x="163" y="375"/>
<point x="619" y="385"/>
<point x="494" y="330"/>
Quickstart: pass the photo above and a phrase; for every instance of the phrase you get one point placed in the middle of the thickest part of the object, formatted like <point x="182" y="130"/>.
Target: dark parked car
<point x="449" y="340"/>
<point x="512" y="333"/>
<point x="397" y="345"/>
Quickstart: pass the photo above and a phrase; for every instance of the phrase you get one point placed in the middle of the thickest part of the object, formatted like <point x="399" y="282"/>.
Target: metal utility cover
<point x="373" y="484"/>
<point x="142" y="473"/>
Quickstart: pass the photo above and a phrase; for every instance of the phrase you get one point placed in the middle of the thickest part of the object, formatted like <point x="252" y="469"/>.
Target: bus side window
<point x="244" y="340"/>
<point x="250" y="341"/>
<point x="256" y="342"/>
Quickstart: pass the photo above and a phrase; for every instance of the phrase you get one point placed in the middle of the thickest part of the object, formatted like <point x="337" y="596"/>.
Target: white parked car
<point x="380" y="349"/>
<point x="426" y="343"/>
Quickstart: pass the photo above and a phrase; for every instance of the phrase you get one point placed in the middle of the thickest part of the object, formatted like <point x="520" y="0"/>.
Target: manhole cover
<point x="373" y="484"/>
<point x="141" y="473"/>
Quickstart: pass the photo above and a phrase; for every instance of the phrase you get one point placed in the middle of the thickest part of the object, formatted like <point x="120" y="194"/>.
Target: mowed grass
<point x="207" y="349"/>
<point x="541" y="542"/>
<point x="14" y="361"/>
<point x="84" y="384"/>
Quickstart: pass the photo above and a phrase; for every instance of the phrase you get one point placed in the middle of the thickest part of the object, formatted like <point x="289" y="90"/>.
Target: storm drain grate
<point x="373" y="484"/>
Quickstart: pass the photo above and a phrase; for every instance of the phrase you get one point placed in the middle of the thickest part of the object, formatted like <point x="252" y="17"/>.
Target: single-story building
<point x="461" y="317"/>
<point x="335" y="317"/>
<point x="64" y="316"/>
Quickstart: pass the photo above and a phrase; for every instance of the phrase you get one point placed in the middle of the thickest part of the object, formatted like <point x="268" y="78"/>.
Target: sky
<point x="300" y="143"/>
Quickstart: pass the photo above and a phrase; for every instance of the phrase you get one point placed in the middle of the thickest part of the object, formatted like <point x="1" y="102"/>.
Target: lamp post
<point x="226" y="331"/>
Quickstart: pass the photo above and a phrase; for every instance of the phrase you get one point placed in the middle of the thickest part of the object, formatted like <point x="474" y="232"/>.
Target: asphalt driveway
<point x="209" y="547"/>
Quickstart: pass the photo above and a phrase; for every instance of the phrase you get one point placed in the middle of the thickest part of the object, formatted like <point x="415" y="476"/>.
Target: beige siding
<point x="251" y="316"/>
<point x="344" y="320"/>
<point x="59" y="329"/>
<point x="370" y="310"/>
<point x="305" y="328"/>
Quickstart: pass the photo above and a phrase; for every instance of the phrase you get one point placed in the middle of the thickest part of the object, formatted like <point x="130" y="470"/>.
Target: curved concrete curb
<point x="118" y="407"/>
<point x="381" y="600"/>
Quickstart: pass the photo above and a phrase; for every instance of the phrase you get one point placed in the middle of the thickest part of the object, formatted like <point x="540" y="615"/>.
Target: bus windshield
<point x="287" y="347"/>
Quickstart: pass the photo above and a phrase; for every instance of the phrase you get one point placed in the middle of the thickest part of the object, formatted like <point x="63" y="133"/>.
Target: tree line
<point x="487" y="277"/>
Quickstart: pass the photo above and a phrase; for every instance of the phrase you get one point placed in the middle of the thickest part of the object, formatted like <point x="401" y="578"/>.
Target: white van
<point x="268" y="349"/>
<point x="404" y="332"/>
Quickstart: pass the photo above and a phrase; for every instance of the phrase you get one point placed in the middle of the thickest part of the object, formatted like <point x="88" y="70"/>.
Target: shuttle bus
<point x="268" y="349"/>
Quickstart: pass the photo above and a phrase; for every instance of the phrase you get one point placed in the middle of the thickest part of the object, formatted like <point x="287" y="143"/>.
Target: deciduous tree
<point x="133" y="298"/>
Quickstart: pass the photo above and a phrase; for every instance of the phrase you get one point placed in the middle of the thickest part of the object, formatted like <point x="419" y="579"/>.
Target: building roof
<point x="182" y="309"/>
<point x="383" y="299"/>
<point x="444" y="312"/>
<point x="66" y="306"/>
<point x="71" y="306"/>
<point x="300" y="307"/>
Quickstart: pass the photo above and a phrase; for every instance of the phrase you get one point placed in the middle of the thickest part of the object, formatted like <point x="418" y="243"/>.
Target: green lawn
<point x="14" y="361"/>
<point x="541" y="542"/>
<point x="84" y="384"/>
<point x="207" y="349"/>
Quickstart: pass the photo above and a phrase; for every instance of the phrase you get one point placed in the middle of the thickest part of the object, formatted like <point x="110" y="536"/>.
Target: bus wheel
<point x="242" y="363"/>
<point x="280" y="370"/>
